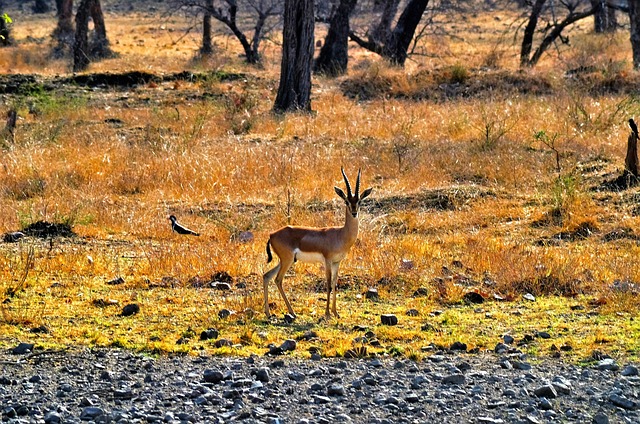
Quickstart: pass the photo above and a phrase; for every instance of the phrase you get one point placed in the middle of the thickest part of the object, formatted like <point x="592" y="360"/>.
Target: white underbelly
<point x="308" y="256"/>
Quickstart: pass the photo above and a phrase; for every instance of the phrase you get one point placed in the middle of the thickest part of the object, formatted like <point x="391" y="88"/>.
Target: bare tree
<point x="294" y="91"/>
<point x="83" y="52"/>
<point x="207" y="42"/>
<point x="634" y="18"/>
<point x="551" y="32"/>
<point x="231" y="13"/>
<point x="63" y="33"/>
<point x="394" y="45"/>
<point x="334" y="54"/>
<point x="604" y="18"/>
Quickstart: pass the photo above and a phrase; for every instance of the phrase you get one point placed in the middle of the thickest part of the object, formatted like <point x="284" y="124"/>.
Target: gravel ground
<point x="119" y="386"/>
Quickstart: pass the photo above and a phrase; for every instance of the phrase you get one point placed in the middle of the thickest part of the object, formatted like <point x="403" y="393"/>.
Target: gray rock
<point x="296" y="376"/>
<point x="629" y="371"/>
<point x="457" y="379"/>
<point x="608" y="364"/>
<point x="130" y="309"/>
<point x="546" y="391"/>
<point x="335" y="390"/>
<point x="52" y="418"/>
<point x="545" y="404"/>
<point x="91" y="413"/>
<point x="600" y="418"/>
<point x="22" y="349"/>
<point x="372" y="294"/>
<point x="519" y="365"/>
<point x="288" y="345"/>
<point x="263" y="375"/>
<point x="623" y="402"/>
<point x="213" y="376"/>
<point x="389" y="319"/>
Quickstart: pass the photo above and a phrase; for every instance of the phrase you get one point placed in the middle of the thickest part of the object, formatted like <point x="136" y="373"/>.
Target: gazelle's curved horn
<point x="358" y="183"/>
<point x="346" y="182"/>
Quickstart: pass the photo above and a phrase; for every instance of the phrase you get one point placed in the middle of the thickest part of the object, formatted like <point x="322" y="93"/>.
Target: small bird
<point x="634" y="127"/>
<point x="179" y="228"/>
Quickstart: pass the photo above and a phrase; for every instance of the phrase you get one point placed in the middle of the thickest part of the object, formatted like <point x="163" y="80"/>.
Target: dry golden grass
<point x="456" y="178"/>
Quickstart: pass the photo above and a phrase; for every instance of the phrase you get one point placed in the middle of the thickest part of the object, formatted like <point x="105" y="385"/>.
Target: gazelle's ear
<point x="340" y="193"/>
<point x="366" y="193"/>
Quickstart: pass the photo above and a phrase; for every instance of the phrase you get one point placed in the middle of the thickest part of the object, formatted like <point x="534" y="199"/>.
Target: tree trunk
<point x="398" y="44"/>
<point x="612" y="20"/>
<point x="634" y="18"/>
<point x="41" y="6"/>
<point x="294" y="91"/>
<point x="207" y="43"/>
<point x="334" y="54"/>
<point x="631" y="160"/>
<point x="382" y="31"/>
<point x="100" y="44"/>
<point x="64" y="31"/>
<point x="600" y="17"/>
<point x="81" y="45"/>
<point x="529" y="31"/>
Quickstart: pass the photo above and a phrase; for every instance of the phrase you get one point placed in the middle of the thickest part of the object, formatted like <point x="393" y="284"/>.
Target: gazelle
<point x="328" y="245"/>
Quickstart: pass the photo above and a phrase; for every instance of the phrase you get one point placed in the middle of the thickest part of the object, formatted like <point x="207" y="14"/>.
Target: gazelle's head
<point x="352" y="199"/>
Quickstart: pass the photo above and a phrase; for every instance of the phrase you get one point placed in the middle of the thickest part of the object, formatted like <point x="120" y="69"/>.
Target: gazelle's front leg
<point x="334" y="288"/>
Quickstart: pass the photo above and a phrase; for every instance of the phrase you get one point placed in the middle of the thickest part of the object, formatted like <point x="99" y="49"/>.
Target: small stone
<point x="209" y="334"/>
<point x="545" y="404"/>
<point x="223" y="343"/>
<point x="507" y="339"/>
<point x="296" y="376"/>
<point x="600" y="418"/>
<point x="335" y="390"/>
<point x="289" y="319"/>
<point x="546" y="391"/>
<point x="421" y="292"/>
<point x="224" y="313"/>
<point x="412" y="313"/>
<point x="372" y="294"/>
<point x="116" y="281"/>
<point x="91" y="413"/>
<point x="288" y="345"/>
<point x="52" y="418"/>
<point x="406" y="264"/>
<point x="608" y="364"/>
<point x="529" y="297"/>
<point x="623" y="402"/>
<point x="12" y="237"/>
<point x="213" y="376"/>
<point x="22" y="349"/>
<point x="501" y="348"/>
<point x="263" y="375"/>
<point x="389" y="319"/>
<point x="459" y="346"/>
<point x="543" y="335"/>
<point x="130" y="309"/>
<point x="519" y="365"/>
<point x="245" y="236"/>
<point x="219" y="285"/>
<point x="42" y="329"/>
<point x="489" y="420"/>
<point x="630" y="371"/>
<point x="473" y="297"/>
<point x="457" y="379"/>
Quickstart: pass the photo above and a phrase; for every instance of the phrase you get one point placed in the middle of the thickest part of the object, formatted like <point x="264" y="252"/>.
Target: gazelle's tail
<point x="269" y="257"/>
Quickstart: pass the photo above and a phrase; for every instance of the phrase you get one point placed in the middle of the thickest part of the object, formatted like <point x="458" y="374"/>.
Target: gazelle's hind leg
<point x="285" y="264"/>
<point x="268" y="276"/>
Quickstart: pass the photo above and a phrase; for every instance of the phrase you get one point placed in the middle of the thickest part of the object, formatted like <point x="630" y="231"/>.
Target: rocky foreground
<point x="118" y="386"/>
